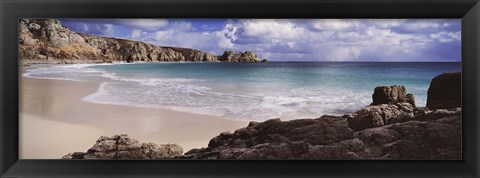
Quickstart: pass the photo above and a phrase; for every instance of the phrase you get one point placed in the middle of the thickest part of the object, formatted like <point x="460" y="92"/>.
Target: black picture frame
<point x="12" y="10"/>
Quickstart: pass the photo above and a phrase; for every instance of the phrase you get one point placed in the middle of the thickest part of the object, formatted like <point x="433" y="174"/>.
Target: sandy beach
<point x="55" y="121"/>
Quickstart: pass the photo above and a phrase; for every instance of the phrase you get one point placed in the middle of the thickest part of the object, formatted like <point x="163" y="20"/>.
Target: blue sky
<point x="294" y="39"/>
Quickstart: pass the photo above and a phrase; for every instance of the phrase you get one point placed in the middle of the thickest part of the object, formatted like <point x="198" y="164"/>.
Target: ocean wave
<point x="60" y="72"/>
<point x="197" y="99"/>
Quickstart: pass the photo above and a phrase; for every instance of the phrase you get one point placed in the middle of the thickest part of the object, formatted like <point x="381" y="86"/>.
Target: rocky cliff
<point x="47" y="41"/>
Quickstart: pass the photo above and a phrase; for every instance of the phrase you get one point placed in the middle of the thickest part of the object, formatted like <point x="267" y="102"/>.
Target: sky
<point x="382" y="40"/>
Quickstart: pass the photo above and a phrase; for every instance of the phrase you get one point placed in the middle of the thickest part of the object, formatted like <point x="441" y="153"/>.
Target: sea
<point x="249" y="91"/>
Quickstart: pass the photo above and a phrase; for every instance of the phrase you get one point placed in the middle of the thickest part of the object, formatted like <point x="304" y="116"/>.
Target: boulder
<point x="124" y="147"/>
<point x="445" y="91"/>
<point x="391" y="95"/>
<point x="380" y="115"/>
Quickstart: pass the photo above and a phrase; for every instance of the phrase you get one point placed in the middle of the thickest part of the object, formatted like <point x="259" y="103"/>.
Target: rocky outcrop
<point x="275" y="139"/>
<point x="380" y="115"/>
<point x="329" y="137"/>
<point x="247" y="56"/>
<point x="124" y="147"/>
<point x="391" y="128"/>
<point x="391" y="95"/>
<point x="435" y="139"/>
<point x="445" y="91"/>
<point x="47" y="41"/>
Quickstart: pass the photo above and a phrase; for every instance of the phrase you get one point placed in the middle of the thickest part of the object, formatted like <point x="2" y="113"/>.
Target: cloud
<point x="146" y="24"/>
<point x="420" y="25"/>
<point x="334" y="24"/>
<point x="446" y="37"/>
<point x="270" y="29"/>
<point x="136" y="33"/>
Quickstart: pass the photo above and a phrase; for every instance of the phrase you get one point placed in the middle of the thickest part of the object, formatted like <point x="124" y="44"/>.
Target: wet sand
<point x="55" y="121"/>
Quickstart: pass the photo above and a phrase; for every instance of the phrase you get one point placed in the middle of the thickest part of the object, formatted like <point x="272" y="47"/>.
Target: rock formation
<point x="247" y="56"/>
<point x="391" y="95"/>
<point x="445" y="91"/>
<point x="380" y="115"/>
<point x="123" y="147"/>
<point x="329" y="137"/>
<point x="391" y="128"/>
<point x="47" y="41"/>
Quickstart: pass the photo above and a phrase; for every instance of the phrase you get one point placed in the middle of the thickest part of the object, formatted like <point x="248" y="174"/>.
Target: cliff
<point x="47" y="41"/>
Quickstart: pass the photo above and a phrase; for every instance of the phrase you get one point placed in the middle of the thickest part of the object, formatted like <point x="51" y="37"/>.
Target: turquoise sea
<point x="249" y="91"/>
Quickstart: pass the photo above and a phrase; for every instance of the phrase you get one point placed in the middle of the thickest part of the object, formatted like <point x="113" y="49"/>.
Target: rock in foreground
<point x="391" y="95"/>
<point x="380" y="115"/>
<point x="329" y="137"/>
<point x="445" y="91"/>
<point x="124" y="147"/>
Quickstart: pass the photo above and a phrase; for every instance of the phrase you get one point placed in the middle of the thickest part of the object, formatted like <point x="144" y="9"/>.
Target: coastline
<point x="55" y="120"/>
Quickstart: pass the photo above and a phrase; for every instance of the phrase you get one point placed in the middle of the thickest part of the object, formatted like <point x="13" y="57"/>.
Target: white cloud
<point x="136" y="33"/>
<point x="386" y="23"/>
<point x="83" y="27"/>
<point x="271" y="29"/>
<point x="335" y="24"/>
<point x="181" y="26"/>
<point x="104" y="29"/>
<point x="446" y="37"/>
<point x="426" y="24"/>
<point x="147" y="24"/>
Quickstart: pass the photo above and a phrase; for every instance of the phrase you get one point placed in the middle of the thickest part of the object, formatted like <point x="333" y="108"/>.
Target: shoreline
<point x="49" y="107"/>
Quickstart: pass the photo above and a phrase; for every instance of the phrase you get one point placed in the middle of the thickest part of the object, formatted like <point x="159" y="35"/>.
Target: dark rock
<point x="415" y="139"/>
<point x="275" y="139"/>
<point x="436" y="135"/>
<point x="124" y="147"/>
<point x="348" y="149"/>
<point x="405" y="149"/>
<point x="445" y="91"/>
<point x="264" y="60"/>
<point x="74" y="155"/>
<point x="391" y="95"/>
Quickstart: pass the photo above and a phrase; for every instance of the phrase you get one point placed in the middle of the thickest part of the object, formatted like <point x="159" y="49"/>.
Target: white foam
<point x="205" y="100"/>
